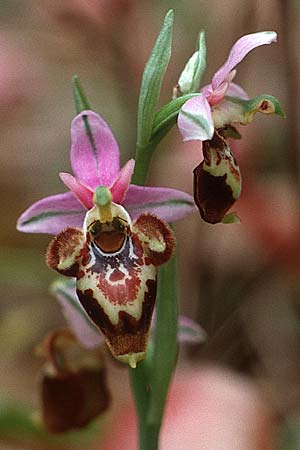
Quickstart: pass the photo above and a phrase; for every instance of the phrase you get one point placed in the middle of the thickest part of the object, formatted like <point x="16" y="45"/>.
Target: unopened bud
<point x="190" y="78"/>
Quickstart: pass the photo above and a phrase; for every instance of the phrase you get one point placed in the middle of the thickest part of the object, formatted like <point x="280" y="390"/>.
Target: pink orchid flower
<point x="95" y="160"/>
<point x="195" y="119"/>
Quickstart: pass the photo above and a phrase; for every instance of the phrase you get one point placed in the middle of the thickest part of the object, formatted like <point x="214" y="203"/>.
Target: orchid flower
<point x="221" y="85"/>
<point x="95" y="160"/>
<point x="73" y="387"/>
<point x="209" y="117"/>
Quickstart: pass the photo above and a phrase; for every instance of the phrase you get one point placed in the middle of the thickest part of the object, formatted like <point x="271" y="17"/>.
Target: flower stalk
<point x="151" y="379"/>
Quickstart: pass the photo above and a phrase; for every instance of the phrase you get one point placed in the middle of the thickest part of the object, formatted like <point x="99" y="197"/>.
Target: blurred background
<point x="239" y="282"/>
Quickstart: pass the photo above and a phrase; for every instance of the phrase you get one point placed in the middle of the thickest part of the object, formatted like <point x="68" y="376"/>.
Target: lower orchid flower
<point x="210" y="117"/>
<point x="72" y="382"/>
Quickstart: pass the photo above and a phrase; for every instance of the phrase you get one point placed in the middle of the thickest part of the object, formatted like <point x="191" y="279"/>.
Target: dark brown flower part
<point x="217" y="180"/>
<point x="73" y="383"/>
<point x="157" y="236"/>
<point x="72" y="401"/>
<point x="64" y="248"/>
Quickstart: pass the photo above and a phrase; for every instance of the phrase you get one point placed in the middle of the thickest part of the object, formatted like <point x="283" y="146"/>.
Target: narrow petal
<point x="169" y="204"/>
<point x="207" y="90"/>
<point x="234" y="90"/>
<point x="95" y="156"/>
<point x="237" y="110"/>
<point x="83" y="194"/>
<point x="121" y="184"/>
<point x="86" y="333"/>
<point x="238" y="52"/>
<point x="218" y="94"/>
<point x="195" y="121"/>
<point x="52" y="214"/>
<point x="190" y="332"/>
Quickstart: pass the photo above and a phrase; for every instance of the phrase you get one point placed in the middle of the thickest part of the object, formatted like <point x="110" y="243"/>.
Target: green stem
<point x="150" y="380"/>
<point x="149" y="436"/>
<point x="139" y="378"/>
<point x="142" y="163"/>
<point x="164" y="120"/>
<point x="165" y="344"/>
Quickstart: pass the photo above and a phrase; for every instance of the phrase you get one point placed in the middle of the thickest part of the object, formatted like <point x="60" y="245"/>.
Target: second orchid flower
<point x="211" y="117"/>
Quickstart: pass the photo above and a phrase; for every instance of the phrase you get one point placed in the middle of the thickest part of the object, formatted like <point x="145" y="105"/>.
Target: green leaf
<point x="190" y="78"/>
<point x="82" y="104"/>
<point x="80" y="99"/>
<point x="165" y="344"/>
<point x="152" y="80"/>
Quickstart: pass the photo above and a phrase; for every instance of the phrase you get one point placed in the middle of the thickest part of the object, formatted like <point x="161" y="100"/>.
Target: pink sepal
<point x="195" y="119"/>
<point x="86" y="333"/>
<point x="168" y="204"/>
<point x="95" y="156"/>
<point x="238" y="52"/>
<point x="52" y="214"/>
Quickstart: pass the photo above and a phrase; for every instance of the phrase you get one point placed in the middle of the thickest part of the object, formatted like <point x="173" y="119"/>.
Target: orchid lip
<point x="102" y="253"/>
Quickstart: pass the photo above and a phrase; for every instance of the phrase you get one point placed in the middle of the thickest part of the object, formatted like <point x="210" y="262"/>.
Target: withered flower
<point x="73" y="383"/>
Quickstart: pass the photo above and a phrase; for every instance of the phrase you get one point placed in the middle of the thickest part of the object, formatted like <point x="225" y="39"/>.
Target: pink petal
<point x="121" y="184"/>
<point x="218" y="94"/>
<point x="83" y="194"/>
<point x="169" y="204"/>
<point x="234" y="90"/>
<point x="52" y="214"/>
<point x="215" y="96"/>
<point x="207" y="90"/>
<point x="86" y="333"/>
<point x="190" y="332"/>
<point x="195" y="120"/>
<point x="95" y="156"/>
<point x="238" y="52"/>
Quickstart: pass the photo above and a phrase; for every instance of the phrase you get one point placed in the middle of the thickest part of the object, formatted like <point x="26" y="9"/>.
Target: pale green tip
<point x="132" y="358"/>
<point x="102" y="196"/>
<point x="231" y="218"/>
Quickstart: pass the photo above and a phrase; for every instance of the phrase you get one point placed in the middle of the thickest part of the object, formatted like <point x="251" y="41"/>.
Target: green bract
<point x="190" y="78"/>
